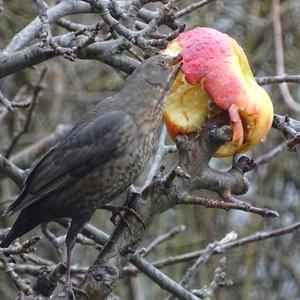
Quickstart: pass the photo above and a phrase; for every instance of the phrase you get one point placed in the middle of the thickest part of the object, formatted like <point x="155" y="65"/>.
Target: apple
<point x="216" y="76"/>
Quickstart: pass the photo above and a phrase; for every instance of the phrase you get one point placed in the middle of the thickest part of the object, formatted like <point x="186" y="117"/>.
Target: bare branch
<point x="219" y="280"/>
<point x="187" y="10"/>
<point x="243" y="206"/>
<point x="51" y="237"/>
<point x="103" y="51"/>
<point x="36" y="91"/>
<point x="258" y="236"/>
<point x="45" y="33"/>
<point x="20" y="283"/>
<point x="5" y="102"/>
<point x="278" y="79"/>
<point x="189" y="277"/>
<point x="161" y="279"/>
<point x="161" y="239"/>
<point x="12" y="171"/>
<point x="26" y="35"/>
<point x="290" y="129"/>
<point x="279" y="53"/>
<point x="267" y="157"/>
<point x="25" y="247"/>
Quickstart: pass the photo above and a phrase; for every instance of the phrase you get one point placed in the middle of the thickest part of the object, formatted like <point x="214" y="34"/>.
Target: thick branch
<point x="12" y="171"/>
<point x="26" y="35"/>
<point x="106" y="52"/>
<point x="162" y="194"/>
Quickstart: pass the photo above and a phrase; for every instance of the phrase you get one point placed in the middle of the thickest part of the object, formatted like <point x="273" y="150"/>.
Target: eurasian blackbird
<point x="99" y="158"/>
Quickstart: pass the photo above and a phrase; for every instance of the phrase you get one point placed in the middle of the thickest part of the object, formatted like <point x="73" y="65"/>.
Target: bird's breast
<point x="136" y="146"/>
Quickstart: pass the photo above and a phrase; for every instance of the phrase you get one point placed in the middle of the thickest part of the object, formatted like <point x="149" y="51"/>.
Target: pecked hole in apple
<point x="215" y="66"/>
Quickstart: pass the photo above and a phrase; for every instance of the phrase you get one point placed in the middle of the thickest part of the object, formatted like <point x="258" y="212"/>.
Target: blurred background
<point x="263" y="270"/>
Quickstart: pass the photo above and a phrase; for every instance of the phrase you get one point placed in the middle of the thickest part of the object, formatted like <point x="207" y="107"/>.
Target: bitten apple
<point x="216" y="76"/>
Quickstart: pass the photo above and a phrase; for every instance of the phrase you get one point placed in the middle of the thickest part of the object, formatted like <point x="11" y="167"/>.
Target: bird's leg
<point x="70" y="242"/>
<point x="116" y="210"/>
<point x="73" y="231"/>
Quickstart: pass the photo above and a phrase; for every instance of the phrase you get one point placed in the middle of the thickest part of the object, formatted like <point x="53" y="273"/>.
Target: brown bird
<point x="99" y="158"/>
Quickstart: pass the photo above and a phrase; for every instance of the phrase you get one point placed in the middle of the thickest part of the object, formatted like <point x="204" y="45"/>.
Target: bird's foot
<point x="130" y="210"/>
<point x="133" y="193"/>
<point x="117" y="212"/>
<point x="68" y="292"/>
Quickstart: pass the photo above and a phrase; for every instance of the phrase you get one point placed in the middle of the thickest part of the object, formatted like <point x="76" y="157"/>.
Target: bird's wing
<point x="85" y="147"/>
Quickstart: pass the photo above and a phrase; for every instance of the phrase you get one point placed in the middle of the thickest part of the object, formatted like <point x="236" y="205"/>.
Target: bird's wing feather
<point x="85" y="147"/>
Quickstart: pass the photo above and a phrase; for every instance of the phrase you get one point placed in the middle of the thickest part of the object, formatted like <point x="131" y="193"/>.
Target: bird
<point x="100" y="157"/>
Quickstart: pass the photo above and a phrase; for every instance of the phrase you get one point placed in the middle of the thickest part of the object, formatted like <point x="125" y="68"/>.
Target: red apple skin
<point x="218" y="65"/>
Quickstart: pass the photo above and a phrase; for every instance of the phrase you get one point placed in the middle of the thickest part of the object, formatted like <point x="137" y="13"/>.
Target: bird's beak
<point x="176" y="60"/>
<point x="175" y="63"/>
<point x="171" y="60"/>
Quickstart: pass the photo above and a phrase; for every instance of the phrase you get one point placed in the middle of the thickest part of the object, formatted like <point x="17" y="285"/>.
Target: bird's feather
<point x="87" y="146"/>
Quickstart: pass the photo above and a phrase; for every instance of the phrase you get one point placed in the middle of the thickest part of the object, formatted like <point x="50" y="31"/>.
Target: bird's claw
<point x="134" y="213"/>
<point x="116" y="211"/>
<point x="68" y="292"/>
<point x="133" y="193"/>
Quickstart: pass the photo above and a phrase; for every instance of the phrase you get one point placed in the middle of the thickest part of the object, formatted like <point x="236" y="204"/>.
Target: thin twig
<point x="266" y="157"/>
<point x="259" y="236"/>
<point x="278" y="79"/>
<point x="162" y="238"/>
<point x="279" y="54"/>
<point x="189" y="276"/>
<point x="211" y="203"/>
<point x="20" y="283"/>
<point x="187" y="10"/>
<point x="51" y="237"/>
<point x="162" y="280"/>
<point x="26" y="247"/>
<point x="45" y="33"/>
<point x="219" y="280"/>
<point x="290" y="129"/>
<point x="6" y="102"/>
<point x="36" y="92"/>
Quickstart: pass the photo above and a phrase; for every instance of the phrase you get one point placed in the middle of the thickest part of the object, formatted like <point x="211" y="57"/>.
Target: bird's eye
<point x="161" y="61"/>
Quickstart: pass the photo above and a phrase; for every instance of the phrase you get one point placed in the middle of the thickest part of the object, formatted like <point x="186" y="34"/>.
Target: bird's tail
<point x="3" y="209"/>
<point x="24" y="223"/>
<point x="14" y="206"/>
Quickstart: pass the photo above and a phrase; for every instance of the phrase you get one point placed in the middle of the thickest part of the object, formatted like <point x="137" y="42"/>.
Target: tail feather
<point x="26" y="221"/>
<point x="7" y="240"/>
<point x="15" y="206"/>
<point x="3" y="209"/>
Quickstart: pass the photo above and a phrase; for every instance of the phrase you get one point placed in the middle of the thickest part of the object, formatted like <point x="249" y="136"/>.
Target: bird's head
<point x="159" y="71"/>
